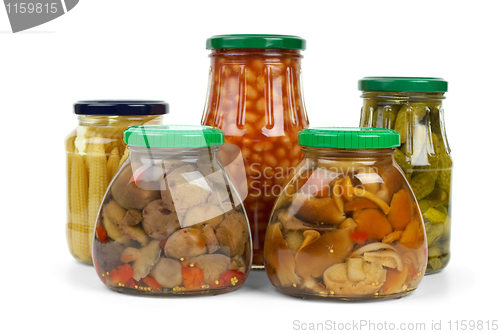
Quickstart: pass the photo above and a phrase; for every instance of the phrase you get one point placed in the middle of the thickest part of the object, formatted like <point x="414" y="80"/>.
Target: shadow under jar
<point x="94" y="152"/>
<point x="347" y="225"/>
<point x="413" y="107"/>
<point x="171" y="223"/>
<point x="255" y="96"/>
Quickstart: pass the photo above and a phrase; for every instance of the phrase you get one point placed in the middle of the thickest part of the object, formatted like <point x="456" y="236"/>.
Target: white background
<point x="156" y="50"/>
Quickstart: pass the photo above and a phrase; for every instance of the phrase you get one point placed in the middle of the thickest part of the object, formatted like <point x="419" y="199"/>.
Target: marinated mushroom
<point x="337" y="279"/>
<point x="294" y="239"/>
<point x="279" y="257"/>
<point x="232" y="234"/>
<point x="369" y="179"/>
<point x="350" y="192"/>
<point x="213" y="265"/>
<point x="386" y="258"/>
<point x="107" y="255"/>
<point x="184" y="187"/>
<point x="210" y="238"/>
<point x="150" y="254"/>
<point x="316" y="210"/>
<point x="309" y="236"/>
<point x="114" y="212"/>
<point x="132" y="217"/>
<point x="159" y="222"/>
<point x="219" y="195"/>
<point x="130" y="192"/>
<point x="113" y="231"/>
<point x="130" y="254"/>
<point x="373" y="222"/>
<point x="203" y="214"/>
<point x="331" y="248"/>
<point x="185" y="243"/>
<point x="167" y="272"/>
<point x="238" y="263"/>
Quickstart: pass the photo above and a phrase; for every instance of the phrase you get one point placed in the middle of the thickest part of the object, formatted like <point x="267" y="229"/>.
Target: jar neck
<point x="352" y="154"/>
<point x="398" y="97"/>
<point x="107" y="120"/>
<point x="257" y="53"/>
<point x="169" y="153"/>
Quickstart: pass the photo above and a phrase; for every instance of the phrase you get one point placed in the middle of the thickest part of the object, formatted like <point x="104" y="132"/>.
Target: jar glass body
<point x="424" y="156"/>
<point x="94" y="151"/>
<point x="171" y="224"/>
<point x="255" y="96"/>
<point x="332" y="234"/>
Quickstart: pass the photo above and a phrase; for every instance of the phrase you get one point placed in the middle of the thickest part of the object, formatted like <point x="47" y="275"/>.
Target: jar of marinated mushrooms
<point x="255" y="96"/>
<point x="347" y="225"/>
<point x="413" y="107"/>
<point x="94" y="152"/>
<point x="171" y="222"/>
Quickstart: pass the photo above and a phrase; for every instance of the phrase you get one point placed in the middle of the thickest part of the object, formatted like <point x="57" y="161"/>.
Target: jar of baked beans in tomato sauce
<point x="255" y="96"/>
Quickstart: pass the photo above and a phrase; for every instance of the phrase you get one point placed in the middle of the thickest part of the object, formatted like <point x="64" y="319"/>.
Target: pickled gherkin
<point x="423" y="184"/>
<point x="408" y="116"/>
<point x="424" y="154"/>
<point x="435" y="216"/>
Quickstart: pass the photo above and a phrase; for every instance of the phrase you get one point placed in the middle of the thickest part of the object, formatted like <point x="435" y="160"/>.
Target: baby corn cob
<point x="113" y="163"/>
<point x="124" y="157"/>
<point x="98" y="183"/>
<point x="79" y="200"/>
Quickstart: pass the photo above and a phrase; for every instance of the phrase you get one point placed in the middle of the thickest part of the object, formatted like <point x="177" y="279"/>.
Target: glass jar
<point x="347" y="225"/>
<point x="94" y="152"/>
<point x="171" y="222"/>
<point x="255" y="96"/>
<point x="413" y="107"/>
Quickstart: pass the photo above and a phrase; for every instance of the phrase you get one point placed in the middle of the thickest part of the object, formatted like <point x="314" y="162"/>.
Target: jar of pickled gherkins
<point x="255" y="96"/>
<point x="413" y="107"/>
<point x="171" y="222"/>
<point x="347" y="224"/>
<point x="94" y="152"/>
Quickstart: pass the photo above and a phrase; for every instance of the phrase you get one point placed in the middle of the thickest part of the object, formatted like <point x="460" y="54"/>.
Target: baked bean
<point x="296" y="150"/>
<point x="285" y="164"/>
<point x="260" y="106"/>
<point x="261" y="81"/>
<point x="281" y="153"/>
<point x="237" y="69"/>
<point x="258" y="65"/>
<point x="256" y="158"/>
<point x="286" y="141"/>
<point x="246" y="141"/>
<point x="252" y="93"/>
<point x="250" y="76"/>
<point x="246" y="152"/>
<point x="262" y="146"/>
<point x="251" y="117"/>
<point x="270" y="160"/>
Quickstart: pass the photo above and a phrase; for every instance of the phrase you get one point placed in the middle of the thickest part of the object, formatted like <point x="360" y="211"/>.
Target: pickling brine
<point x="255" y="96"/>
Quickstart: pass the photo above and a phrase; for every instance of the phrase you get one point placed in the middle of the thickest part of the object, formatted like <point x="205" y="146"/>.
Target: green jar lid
<point x="252" y="41"/>
<point x="349" y="138"/>
<point x="173" y="136"/>
<point x="403" y="84"/>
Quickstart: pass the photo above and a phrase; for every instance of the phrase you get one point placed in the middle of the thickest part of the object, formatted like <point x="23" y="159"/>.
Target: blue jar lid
<point x="121" y="108"/>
